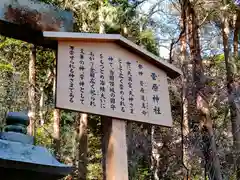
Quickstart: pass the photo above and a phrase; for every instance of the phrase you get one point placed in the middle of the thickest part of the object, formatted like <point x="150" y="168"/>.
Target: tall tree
<point x="200" y="96"/>
<point x="185" y="88"/>
<point x="56" y="116"/>
<point x="232" y="81"/>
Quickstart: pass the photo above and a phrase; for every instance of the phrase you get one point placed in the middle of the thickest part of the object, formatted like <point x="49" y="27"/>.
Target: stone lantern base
<point x="21" y="160"/>
<point x="12" y="170"/>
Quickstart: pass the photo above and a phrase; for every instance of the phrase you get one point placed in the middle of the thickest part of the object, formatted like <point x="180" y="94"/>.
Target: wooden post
<point x="83" y="147"/>
<point x="115" y="162"/>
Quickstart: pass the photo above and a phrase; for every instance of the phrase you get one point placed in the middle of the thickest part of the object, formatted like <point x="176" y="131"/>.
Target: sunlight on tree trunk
<point x="41" y="106"/>
<point x="101" y="18"/>
<point x="31" y="91"/>
<point x="56" y="132"/>
<point x="56" y="120"/>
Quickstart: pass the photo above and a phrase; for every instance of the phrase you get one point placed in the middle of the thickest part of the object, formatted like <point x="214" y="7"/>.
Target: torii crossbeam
<point x="27" y="19"/>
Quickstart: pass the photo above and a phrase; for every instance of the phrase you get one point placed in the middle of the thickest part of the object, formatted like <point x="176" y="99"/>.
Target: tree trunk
<point x="200" y="95"/>
<point x="161" y="153"/>
<point x="56" y="120"/>
<point x="83" y="147"/>
<point x="41" y="104"/>
<point x="10" y="92"/>
<point x="236" y="32"/>
<point x="233" y="89"/>
<point x="50" y="78"/>
<point x="101" y="18"/>
<point x="31" y="91"/>
<point x="56" y="132"/>
<point x="185" y="89"/>
<point x="155" y="154"/>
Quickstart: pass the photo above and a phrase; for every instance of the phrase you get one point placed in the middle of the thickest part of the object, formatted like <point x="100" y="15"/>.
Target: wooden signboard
<point x="112" y="77"/>
<point x="106" y="79"/>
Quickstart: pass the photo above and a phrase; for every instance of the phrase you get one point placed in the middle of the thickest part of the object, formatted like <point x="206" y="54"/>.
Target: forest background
<point x="201" y="37"/>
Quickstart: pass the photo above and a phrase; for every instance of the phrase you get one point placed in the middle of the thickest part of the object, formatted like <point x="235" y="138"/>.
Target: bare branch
<point x="205" y="18"/>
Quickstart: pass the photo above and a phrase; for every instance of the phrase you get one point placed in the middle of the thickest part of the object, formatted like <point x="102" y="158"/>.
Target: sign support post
<point x="115" y="162"/>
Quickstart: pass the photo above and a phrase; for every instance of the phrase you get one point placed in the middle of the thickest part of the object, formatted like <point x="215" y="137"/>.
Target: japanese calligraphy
<point x="155" y="87"/>
<point x="71" y="73"/>
<point x="112" y="84"/>
<point x="140" y="72"/>
<point x="81" y="76"/>
<point x="156" y="110"/>
<point x="121" y="86"/>
<point x="102" y="83"/>
<point x="130" y="92"/>
<point x="155" y="96"/>
<point x="92" y="80"/>
<point x="154" y="76"/>
<point x="143" y="97"/>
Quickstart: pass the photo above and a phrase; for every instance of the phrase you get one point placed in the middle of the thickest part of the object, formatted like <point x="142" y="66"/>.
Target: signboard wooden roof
<point x="171" y="70"/>
<point x="111" y="76"/>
